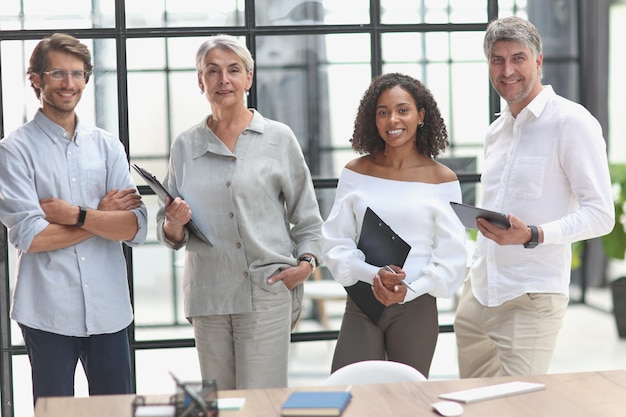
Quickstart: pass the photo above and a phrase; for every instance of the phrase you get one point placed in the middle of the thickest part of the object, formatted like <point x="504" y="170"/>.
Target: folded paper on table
<point x="316" y="403"/>
<point x="162" y="192"/>
<point x="381" y="246"/>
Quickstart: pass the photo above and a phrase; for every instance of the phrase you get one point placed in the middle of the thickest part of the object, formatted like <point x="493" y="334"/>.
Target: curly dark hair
<point x="432" y="137"/>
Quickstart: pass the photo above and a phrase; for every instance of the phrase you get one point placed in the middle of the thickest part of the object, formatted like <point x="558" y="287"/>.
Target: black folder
<point x="381" y="246"/>
<point x="162" y="192"/>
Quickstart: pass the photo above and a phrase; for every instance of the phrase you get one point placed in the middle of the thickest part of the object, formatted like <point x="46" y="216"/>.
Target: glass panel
<point x="469" y="111"/>
<point x="19" y="102"/>
<point x="181" y="52"/>
<point x="306" y="12"/>
<point x="557" y="23"/>
<point x="153" y="367"/>
<point x="514" y="7"/>
<point x="187" y="107"/>
<point x="184" y="13"/>
<point x="153" y="280"/>
<point x="404" y="47"/>
<point x="563" y="77"/>
<point x="468" y="11"/>
<point x="23" y="386"/>
<point x="401" y="11"/>
<point x="303" y="80"/>
<point x="145" y="54"/>
<point x="44" y="14"/>
<point x="147" y="113"/>
<point x="617" y="83"/>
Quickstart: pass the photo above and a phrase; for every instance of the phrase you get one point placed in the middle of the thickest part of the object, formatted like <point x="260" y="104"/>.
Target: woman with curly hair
<point x="399" y="131"/>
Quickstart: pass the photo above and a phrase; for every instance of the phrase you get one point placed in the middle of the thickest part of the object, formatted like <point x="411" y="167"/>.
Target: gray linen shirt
<point x="256" y="205"/>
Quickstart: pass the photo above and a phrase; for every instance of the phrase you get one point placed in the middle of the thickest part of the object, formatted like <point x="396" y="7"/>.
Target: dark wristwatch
<point x="310" y="260"/>
<point x="81" y="216"/>
<point x="534" y="238"/>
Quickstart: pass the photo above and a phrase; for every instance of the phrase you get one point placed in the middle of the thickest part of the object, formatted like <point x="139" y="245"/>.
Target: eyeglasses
<point x="59" y="75"/>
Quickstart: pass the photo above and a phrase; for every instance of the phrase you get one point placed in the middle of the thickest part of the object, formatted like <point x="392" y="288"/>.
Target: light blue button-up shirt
<point x="82" y="289"/>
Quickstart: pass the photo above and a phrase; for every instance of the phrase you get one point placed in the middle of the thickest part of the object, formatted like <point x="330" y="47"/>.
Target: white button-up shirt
<point x="549" y="167"/>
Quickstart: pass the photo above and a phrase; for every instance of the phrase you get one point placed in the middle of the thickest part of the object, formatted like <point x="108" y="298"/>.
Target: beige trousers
<point x="247" y="350"/>
<point x="515" y="338"/>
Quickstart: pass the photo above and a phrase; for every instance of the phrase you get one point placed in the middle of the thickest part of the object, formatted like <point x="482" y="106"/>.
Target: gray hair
<point x="228" y="42"/>
<point x="514" y="29"/>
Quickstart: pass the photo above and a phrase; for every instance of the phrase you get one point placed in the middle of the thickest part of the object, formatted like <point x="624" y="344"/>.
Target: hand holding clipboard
<point x="381" y="246"/>
<point x="162" y="192"/>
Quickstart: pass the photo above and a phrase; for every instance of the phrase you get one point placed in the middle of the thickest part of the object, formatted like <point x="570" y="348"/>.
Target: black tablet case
<point x="381" y="246"/>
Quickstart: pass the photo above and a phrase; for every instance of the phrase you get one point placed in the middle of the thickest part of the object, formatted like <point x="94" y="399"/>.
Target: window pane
<point x="147" y="113"/>
<point x="44" y="14"/>
<point x="153" y="367"/>
<point x="404" y="47"/>
<point x="187" y="106"/>
<point x="153" y="281"/>
<point x="181" y="13"/>
<point x="145" y="54"/>
<point x="299" y="78"/>
<point x="401" y="11"/>
<point x="303" y="12"/>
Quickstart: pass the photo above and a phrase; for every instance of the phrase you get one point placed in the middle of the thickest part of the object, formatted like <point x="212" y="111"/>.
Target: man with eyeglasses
<point x="68" y="201"/>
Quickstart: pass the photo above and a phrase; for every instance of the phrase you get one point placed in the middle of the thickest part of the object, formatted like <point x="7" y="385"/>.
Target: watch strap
<point x="534" y="238"/>
<point x="309" y="259"/>
<point x="81" y="216"/>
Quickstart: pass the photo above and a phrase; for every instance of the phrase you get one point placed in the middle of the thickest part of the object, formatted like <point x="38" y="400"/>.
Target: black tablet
<point x="468" y="215"/>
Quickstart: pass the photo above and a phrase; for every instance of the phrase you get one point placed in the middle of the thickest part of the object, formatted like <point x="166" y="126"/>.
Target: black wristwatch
<point x="81" y="216"/>
<point x="310" y="260"/>
<point x="534" y="238"/>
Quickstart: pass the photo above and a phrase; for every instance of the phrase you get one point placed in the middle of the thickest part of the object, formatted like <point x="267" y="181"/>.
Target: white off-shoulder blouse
<point x="418" y="212"/>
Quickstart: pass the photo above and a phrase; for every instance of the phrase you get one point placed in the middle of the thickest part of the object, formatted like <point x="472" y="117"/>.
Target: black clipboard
<point x="468" y="215"/>
<point x="162" y="192"/>
<point x="381" y="246"/>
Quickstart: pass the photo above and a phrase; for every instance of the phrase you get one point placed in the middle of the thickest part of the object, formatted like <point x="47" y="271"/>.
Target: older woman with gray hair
<point x="246" y="180"/>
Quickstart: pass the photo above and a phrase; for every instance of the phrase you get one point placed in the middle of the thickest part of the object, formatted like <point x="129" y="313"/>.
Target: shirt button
<point x="228" y="183"/>
<point x="82" y="258"/>
<point x="73" y="179"/>
<point x="245" y="132"/>
<point x="232" y="158"/>
<point x="238" y="245"/>
<point x="245" y="274"/>
<point x="231" y="215"/>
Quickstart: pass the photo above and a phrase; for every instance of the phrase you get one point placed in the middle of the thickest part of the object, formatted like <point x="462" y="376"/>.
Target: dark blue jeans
<point x="53" y="359"/>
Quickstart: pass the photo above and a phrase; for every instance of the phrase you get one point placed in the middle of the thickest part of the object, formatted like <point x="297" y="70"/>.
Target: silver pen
<point x="388" y="268"/>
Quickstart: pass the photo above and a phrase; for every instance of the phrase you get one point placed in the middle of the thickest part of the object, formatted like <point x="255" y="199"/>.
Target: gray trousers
<point x="247" y="350"/>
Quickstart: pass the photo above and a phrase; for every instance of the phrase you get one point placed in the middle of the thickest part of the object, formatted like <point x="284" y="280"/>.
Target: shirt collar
<point x="539" y="103"/>
<point x="201" y="145"/>
<point x="53" y="130"/>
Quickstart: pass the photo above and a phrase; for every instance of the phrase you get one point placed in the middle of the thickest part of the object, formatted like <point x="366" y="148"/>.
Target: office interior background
<point x="314" y="60"/>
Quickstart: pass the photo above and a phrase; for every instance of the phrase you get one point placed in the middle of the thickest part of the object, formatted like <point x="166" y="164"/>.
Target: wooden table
<point x="586" y="394"/>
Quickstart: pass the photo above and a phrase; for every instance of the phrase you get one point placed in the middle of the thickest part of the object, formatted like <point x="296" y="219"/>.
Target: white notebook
<point x="492" y="391"/>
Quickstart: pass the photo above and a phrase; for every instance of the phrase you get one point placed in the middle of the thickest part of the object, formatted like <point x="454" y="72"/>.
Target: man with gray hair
<point x="545" y="161"/>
